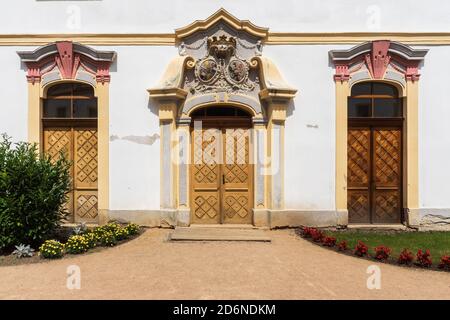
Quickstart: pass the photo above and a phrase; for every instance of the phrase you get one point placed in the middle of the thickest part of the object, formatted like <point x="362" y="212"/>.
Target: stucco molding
<point x="221" y="15"/>
<point x="66" y="59"/>
<point x="378" y="57"/>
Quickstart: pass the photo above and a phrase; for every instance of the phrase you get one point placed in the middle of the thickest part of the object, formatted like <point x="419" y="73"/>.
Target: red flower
<point x="329" y="241"/>
<point x="406" y="257"/>
<point x="424" y="258"/>
<point x="342" y="246"/>
<point x="382" y="253"/>
<point x="317" y="235"/>
<point x="445" y="263"/>
<point x="361" y="249"/>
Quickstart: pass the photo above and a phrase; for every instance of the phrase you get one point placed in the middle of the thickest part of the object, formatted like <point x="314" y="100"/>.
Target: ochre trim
<point x="342" y="92"/>
<point x="412" y="145"/>
<point x="273" y="38"/>
<point x="102" y="93"/>
<point x="37" y="92"/>
<point x="411" y="161"/>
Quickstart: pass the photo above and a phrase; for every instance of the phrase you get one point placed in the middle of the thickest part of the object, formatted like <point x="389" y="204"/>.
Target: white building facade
<point x="207" y="112"/>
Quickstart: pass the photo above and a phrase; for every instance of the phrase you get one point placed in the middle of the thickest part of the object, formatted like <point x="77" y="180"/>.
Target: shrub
<point x="382" y="253"/>
<point x="329" y="241"/>
<point x="406" y="257"/>
<point x="445" y="263"/>
<point x="361" y="249"/>
<point x="424" y="258"/>
<point x="52" y="249"/>
<point x="33" y="190"/>
<point x="132" y="229"/>
<point x="77" y="244"/>
<point x="342" y="246"/>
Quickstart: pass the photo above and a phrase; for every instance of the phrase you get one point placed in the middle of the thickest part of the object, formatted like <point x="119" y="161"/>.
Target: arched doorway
<point x="222" y="168"/>
<point x="374" y="154"/>
<point x="69" y="122"/>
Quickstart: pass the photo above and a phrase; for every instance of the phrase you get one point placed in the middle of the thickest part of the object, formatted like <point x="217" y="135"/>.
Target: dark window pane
<point x="198" y="113"/>
<point x="385" y="89"/>
<point x="57" y="108"/>
<point x="60" y="90"/>
<point x="85" y="108"/>
<point x="364" y="88"/>
<point x="83" y="90"/>
<point x="387" y="108"/>
<point x="242" y="113"/>
<point x="358" y="108"/>
<point x="221" y="112"/>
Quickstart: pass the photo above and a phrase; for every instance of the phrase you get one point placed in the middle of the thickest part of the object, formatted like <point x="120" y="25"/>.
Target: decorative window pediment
<point x="63" y="60"/>
<point x="377" y="60"/>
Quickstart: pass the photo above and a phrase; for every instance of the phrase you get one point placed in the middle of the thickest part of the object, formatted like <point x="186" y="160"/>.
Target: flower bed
<point x="79" y="240"/>
<point x="374" y="245"/>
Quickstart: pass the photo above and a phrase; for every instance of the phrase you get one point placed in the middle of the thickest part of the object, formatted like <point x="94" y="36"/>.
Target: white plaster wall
<point x="117" y="16"/>
<point x="310" y="126"/>
<point x="134" y="127"/>
<point x="13" y="95"/>
<point x="434" y="137"/>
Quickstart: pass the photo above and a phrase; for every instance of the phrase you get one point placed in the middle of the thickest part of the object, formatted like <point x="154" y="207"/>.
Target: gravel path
<point x="151" y="268"/>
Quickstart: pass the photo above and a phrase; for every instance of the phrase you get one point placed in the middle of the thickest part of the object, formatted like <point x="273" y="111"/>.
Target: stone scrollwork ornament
<point x="221" y="70"/>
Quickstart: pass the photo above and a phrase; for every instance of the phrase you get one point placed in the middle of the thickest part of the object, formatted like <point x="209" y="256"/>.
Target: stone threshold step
<point x="377" y="226"/>
<point x="217" y="234"/>
<point x="224" y="226"/>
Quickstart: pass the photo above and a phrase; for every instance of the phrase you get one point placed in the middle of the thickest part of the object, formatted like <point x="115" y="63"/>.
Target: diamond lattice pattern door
<point x="374" y="175"/>
<point x="221" y="176"/>
<point x="80" y="146"/>
<point x="237" y="177"/>
<point x="57" y="141"/>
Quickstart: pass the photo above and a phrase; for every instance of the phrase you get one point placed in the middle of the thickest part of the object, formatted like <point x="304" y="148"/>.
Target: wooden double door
<point x="221" y="174"/>
<point x="79" y="144"/>
<point x="374" y="174"/>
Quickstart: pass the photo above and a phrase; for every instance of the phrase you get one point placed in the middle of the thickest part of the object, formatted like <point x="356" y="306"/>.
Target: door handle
<point x="223" y="179"/>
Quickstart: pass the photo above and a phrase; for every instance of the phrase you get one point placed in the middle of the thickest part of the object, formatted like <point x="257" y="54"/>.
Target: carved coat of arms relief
<point x="221" y="70"/>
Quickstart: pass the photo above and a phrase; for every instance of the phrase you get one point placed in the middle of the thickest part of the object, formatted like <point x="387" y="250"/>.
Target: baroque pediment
<point x="221" y="59"/>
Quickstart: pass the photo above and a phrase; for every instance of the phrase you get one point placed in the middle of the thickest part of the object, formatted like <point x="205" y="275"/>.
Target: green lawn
<point x="437" y="242"/>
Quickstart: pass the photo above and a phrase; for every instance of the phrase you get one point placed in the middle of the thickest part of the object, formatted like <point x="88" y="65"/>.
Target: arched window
<point x="374" y="100"/>
<point x="222" y="111"/>
<point x="70" y="101"/>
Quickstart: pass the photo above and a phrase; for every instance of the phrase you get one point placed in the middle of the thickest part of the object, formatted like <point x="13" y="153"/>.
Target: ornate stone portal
<point x="220" y="62"/>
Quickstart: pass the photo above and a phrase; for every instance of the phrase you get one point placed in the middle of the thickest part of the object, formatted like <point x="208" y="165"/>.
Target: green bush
<point x="77" y="244"/>
<point x="51" y="249"/>
<point x="33" y="190"/>
<point x="121" y="234"/>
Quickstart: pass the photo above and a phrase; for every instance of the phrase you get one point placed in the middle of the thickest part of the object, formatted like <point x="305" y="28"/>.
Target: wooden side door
<point x="359" y="174"/>
<point x="55" y="141"/>
<point x="85" y="174"/>
<point x="206" y="175"/>
<point x="237" y="177"/>
<point x="387" y="175"/>
<point x="374" y="174"/>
